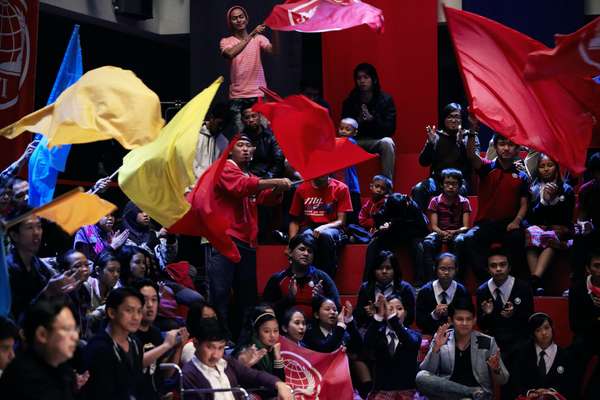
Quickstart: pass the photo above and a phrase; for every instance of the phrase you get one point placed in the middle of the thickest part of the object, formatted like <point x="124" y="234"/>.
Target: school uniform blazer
<point x="366" y="293"/>
<point x="349" y="337"/>
<point x="426" y="303"/>
<point x="393" y="371"/>
<point x="508" y="332"/>
<point x="560" y="376"/>
<point x="482" y="348"/>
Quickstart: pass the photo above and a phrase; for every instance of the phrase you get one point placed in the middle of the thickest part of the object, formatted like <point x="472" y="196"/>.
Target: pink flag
<point x="324" y="15"/>
<point x="575" y="54"/>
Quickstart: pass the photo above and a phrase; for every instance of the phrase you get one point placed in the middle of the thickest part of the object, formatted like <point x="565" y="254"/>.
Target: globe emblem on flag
<point x="14" y="50"/>
<point x="589" y="48"/>
<point x="303" y="12"/>
<point x="301" y="376"/>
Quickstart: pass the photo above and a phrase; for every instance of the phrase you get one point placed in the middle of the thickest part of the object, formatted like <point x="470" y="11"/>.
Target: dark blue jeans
<point x="423" y="191"/>
<point x="432" y="246"/>
<point x="225" y="276"/>
<point x="327" y="249"/>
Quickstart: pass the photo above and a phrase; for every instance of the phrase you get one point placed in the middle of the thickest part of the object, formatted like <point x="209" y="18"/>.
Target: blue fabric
<point x="351" y="176"/>
<point x="5" y="299"/>
<point x="45" y="163"/>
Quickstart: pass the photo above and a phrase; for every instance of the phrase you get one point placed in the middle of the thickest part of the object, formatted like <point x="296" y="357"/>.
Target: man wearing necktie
<point x="504" y="305"/>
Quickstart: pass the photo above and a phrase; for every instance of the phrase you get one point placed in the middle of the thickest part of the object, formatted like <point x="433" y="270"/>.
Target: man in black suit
<point x="504" y="304"/>
<point x="434" y="298"/>
<point x="584" y="318"/>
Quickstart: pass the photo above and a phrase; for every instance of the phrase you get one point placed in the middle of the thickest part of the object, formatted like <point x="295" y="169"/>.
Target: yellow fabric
<point x="156" y="175"/>
<point x="75" y="209"/>
<point x="105" y="103"/>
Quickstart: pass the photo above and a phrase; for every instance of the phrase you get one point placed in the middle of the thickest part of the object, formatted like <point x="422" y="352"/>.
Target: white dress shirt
<point x="217" y="378"/>
<point x="549" y="357"/>
<point x="505" y="288"/>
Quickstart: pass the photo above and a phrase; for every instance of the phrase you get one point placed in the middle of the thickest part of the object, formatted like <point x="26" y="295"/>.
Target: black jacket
<point x="524" y="374"/>
<point x="366" y="292"/>
<point x="28" y="377"/>
<point x="405" y="216"/>
<point x="112" y="375"/>
<point x="382" y="108"/>
<point x="584" y="317"/>
<point x="397" y="371"/>
<point x="560" y="213"/>
<point x="508" y="332"/>
<point x="268" y="159"/>
<point x="426" y="303"/>
<point x="349" y="337"/>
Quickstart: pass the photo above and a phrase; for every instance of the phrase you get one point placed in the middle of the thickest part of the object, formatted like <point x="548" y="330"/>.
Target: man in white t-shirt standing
<point x="244" y="51"/>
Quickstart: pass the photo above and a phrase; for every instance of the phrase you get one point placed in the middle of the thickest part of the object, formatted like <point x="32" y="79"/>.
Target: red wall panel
<point x="405" y="56"/>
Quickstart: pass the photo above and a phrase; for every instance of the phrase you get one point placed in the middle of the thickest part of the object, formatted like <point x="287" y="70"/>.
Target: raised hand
<point x="277" y="351"/>
<point x="494" y="361"/>
<point x="382" y="306"/>
<point x="370" y="309"/>
<point x="508" y="311"/>
<point x="487" y="306"/>
<point x="251" y="355"/>
<point x="317" y="290"/>
<point x="293" y="287"/>
<point x="119" y="239"/>
<point x="431" y="135"/>
<point x="441" y="337"/>
<point x="441" y="310"/>
<point x="259" y="29"/>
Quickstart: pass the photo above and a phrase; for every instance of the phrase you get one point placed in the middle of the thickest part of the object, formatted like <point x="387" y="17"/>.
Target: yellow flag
<point x="75" y="209"/>
<point x="105" y="103"/>
<point x="156" y="175"/>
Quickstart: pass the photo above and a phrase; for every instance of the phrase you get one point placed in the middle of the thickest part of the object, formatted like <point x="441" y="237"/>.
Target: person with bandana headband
<point x="244" y="50"/>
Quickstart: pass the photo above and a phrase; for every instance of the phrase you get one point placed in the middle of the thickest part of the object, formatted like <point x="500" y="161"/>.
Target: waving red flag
<point x="208" y="217"/>
<point x="574" y="54"/>
<point x="306" y="136"/>
<point x="552" y="116"/>
<point x="324" y="15"/>
<point x="315" y="375"/>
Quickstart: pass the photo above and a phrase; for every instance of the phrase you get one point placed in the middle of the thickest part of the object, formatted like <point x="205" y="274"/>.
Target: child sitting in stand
<point x="348" y="129"/>
<point x="380" y="188"/>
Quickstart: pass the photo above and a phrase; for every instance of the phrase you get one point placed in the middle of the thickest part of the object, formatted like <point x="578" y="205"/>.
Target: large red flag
<point x="575" y="54"/>
<point x="306" y="135"/>
<point x="315" y="375"/>
<point x="551" y="116"/>
<point x="207" y="217"/>
<point x="324" y="15"/>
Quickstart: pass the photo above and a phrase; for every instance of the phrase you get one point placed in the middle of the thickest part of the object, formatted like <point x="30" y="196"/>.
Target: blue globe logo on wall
<point x="15" y="48"/>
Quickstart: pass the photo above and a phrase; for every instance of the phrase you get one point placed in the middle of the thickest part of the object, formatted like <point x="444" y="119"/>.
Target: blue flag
<point x="45" y="163"/>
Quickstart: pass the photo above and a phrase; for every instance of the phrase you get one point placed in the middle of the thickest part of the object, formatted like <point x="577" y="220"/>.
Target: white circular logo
<point x="517" y="300"/>
<point x="15" y="48"/>
<point x="560" y="369"/>
<point x="301" y="376"/>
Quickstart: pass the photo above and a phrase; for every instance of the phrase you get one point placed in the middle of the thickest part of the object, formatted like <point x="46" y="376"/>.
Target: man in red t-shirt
<point x="503" y="202"/>
<point x="319" y="207"/>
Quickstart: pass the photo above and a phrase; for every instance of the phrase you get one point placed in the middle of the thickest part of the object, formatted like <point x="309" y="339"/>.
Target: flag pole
<point x="8" y="224"/>
<point x="110" y="178"/>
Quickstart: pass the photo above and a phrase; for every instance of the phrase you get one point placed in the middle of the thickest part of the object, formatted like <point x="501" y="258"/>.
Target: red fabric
<point x="304" y="295"/>
<point x="574" y="54"/>
<point x="180" y="273"/>
<point x="551" y="116"/>
<point x="323" y="15"/>
<point x="208" y="216"/>
<point x="318" y="375"/>
<point x="17" y="77"/>
<point x="321" y="205"/>
<point x="307" y="137"/>
<point x="450" y="216"/>
<point x="365" y="216"/>
<point x="500" y="192"/>
<point x="415" y="89"/>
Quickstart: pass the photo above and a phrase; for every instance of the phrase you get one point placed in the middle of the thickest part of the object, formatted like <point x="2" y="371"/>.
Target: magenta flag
<point x="324" y="15"/>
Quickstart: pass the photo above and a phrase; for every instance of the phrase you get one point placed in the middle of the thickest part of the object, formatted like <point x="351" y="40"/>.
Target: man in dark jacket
<point x="376" y="115"/>
<point x="267" y="160"/>
<point x="42" y="372"/>
<point x="297" y="285"/>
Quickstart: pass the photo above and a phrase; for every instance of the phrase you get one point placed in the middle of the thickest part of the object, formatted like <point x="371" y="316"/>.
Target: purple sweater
<point x="238" y="374"/>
